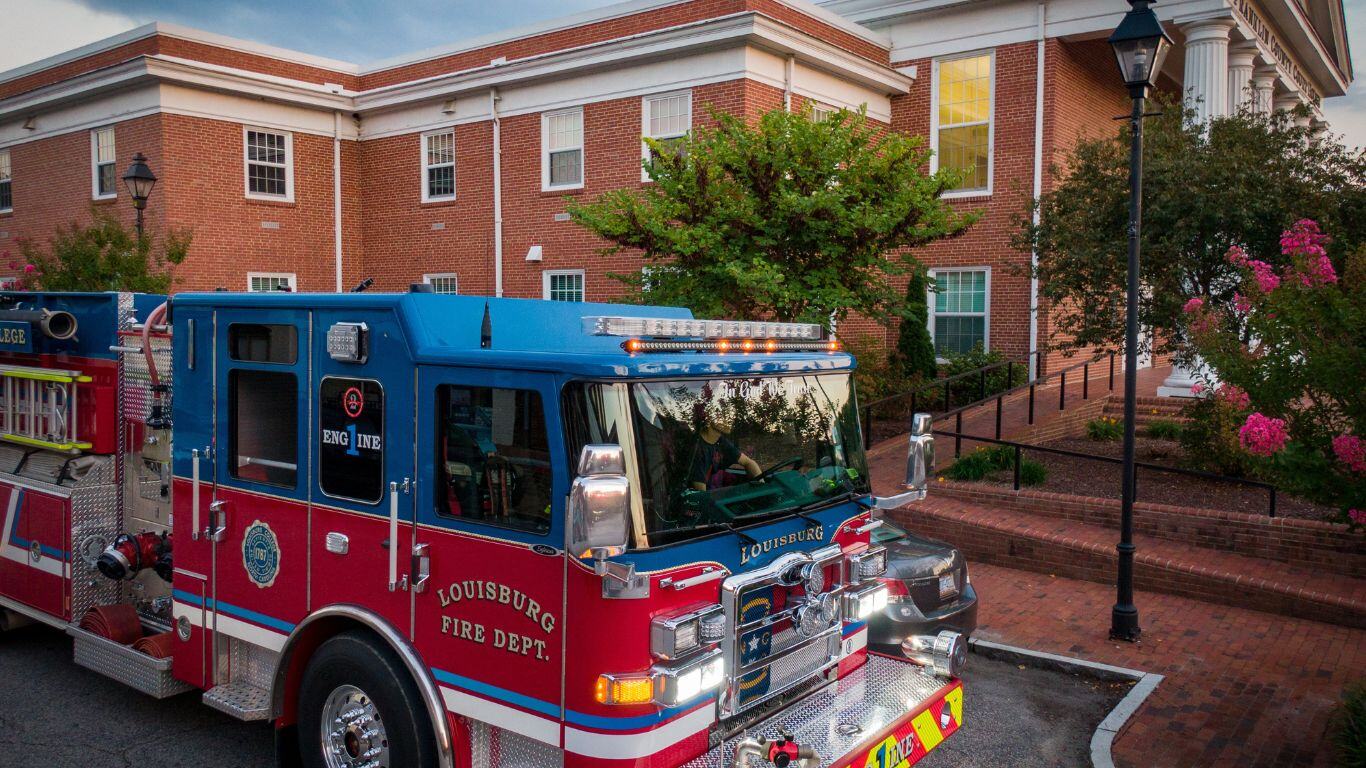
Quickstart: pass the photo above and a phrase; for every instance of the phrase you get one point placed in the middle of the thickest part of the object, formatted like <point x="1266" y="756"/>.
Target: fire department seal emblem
<point x="261" y="554"/>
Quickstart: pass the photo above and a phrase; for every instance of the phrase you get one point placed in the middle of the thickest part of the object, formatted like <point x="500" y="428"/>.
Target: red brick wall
<point x="52" y="184"/>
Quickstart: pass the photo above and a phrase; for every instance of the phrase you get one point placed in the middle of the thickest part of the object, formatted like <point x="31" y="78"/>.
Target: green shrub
<point x="1210" y="437"/>
<point x="1105" y="428"/>
<point x="969" y="389"/>
<point x="1164" y="429"/>
<point x="1349" y="731"/>
<point x="971" y="467"/>
<point x="1032" y="472"/>
<point x="999" y="456"/>
<point x="914" y="356"/>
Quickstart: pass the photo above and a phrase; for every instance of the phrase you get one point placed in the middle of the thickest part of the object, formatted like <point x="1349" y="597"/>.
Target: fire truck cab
<point x="419" y="530"/>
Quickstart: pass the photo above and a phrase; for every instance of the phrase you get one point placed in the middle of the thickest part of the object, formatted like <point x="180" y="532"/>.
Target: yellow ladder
<point x="38" y="407"/>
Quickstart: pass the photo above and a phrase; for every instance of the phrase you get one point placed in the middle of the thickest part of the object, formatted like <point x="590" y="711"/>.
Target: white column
<point x="1240" y="93"/>
<point x="1206" y="83"/>
<point x="1264" y="90"/>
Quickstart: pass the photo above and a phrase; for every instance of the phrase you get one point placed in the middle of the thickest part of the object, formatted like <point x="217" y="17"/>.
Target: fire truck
<point x="416" y="530"/>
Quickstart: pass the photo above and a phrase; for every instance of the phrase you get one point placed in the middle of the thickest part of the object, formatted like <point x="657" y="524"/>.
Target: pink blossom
<point x="1266" y="277"/>
<point x="1233" y="395"/>
<point x="1236" y="256"/>
<point x="29" y="269"/>
<point x="1262" y="435"/>
<point x="1193" y="305"/>
<point x="1357" y="516"/>
<point x="1350" y="450"/>
<point x="1197" y="388"/>
<point x="1242" y="303"/>
<point x="1318" y="271"/>
<point x="1303" y="239"/>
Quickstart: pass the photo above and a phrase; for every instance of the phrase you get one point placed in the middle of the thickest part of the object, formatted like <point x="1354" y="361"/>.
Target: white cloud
<point x="37" y="30"/>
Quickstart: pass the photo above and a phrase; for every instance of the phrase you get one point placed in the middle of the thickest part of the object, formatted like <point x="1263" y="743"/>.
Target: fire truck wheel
<point x="359" y="708"/>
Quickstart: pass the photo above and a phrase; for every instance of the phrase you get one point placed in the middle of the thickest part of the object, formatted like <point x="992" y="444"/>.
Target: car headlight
<point x="675" y="636"/>
<point x="859" y="604"/>
<point x="677" y="684"/>
<point x="869" y="564"/>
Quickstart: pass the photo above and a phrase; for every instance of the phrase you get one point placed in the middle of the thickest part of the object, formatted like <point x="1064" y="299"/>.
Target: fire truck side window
<point x="257" y="343"/>
<point x="263" y="416"/>
<point x="493" y="459"/>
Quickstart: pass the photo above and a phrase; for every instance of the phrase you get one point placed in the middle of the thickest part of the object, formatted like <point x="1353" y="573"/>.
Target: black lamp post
<point x="1140" y="45"/>
<point x="139" y="179"/>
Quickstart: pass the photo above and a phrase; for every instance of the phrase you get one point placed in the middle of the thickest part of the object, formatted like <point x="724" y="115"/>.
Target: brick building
<point x="452" y="166"/>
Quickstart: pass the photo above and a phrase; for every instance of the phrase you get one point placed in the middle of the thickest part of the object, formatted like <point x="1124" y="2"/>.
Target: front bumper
<point x="887" y="713"/>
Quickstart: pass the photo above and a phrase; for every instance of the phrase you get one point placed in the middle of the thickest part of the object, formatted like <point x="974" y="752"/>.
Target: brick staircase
<point x="1305" y="569"/>
<point x="1147" y="409"/>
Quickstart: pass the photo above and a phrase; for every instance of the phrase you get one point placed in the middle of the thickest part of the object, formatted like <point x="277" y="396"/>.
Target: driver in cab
<point x="714" y="453"/>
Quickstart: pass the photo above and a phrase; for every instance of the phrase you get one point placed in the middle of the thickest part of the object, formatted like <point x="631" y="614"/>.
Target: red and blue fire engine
<point x="418" y="530"/>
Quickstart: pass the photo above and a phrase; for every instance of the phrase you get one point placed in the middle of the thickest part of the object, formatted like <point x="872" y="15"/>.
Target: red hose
<point x="156" y="646"/>
<point x="152" y="319"/>
<point x="117" y="622"/>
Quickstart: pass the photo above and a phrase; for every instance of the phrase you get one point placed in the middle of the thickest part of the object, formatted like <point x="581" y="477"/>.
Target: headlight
<point x="869" y="564"/>
<point x="861" y="603"/>
<point x="676" y="684"/>
<point x="675" y="636"/>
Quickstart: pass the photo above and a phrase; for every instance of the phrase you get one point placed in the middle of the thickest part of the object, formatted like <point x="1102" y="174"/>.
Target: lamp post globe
<point x="139" y="180"/>
<point x="1140" y="44"/>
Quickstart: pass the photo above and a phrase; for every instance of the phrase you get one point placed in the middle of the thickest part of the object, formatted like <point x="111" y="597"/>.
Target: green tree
<point x="787" y="218"/>
<point x="914" y="350"/>
<point x="104" y="255"/>
<point x="1241" y="182"/>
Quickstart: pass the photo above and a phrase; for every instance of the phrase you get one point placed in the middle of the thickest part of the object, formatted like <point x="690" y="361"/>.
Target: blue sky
<point x="365" y="31"/>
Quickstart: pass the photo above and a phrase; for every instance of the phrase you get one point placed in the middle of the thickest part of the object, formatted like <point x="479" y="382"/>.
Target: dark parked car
<point x="929" y="586"/>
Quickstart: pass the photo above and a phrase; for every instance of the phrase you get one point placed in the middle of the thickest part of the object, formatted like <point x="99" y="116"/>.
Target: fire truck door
<point x="489" y="617"/>
<point x="361" y="538"/>
<point x="258" y="521"/>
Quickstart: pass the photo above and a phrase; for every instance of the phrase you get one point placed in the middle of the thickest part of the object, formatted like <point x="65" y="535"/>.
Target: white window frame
<point x="427" y="197"/>
<point x="290" y="277"/>
<point x="545" y="150"/>
<point x="95" y="163"/>
<point x="9" y="164"/>
<point x="986" y="306"/>
<point x="646" y="103"/>
<point x="547" y="274"/>
<point x="991" y="124"/>
<point x="821" y="112"/>
<point x="430" y="278"/>
<point x="288" y="196"/>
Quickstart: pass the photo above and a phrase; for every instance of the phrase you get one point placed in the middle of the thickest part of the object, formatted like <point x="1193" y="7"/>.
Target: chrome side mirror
<point x="600" y="504"/>
<point x="919" y="464"/>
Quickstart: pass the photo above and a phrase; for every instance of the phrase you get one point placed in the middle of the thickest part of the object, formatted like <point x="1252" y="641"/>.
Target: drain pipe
<point x="789" y="65"/>
<point x="1038" y="190"/>
<point x="336" y="196"/>
<point x="497" y="193"/>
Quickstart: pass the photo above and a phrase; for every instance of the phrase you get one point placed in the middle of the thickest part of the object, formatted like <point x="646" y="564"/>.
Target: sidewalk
<point x="1243" y="688"/>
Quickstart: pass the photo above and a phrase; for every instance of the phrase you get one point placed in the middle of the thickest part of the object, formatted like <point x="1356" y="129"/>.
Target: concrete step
<point x="1082" y="551"/>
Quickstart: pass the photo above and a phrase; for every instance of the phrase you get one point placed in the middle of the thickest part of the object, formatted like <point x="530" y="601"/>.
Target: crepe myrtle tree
<point x="785" y="217"/>
<point x="1241" y="181"/>
<point x="102" y="255"/>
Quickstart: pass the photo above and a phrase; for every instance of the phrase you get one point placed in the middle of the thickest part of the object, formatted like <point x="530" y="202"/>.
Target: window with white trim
<point x="268" y="157"/>
<point x="103" y="173"/>
<point x="6" y="183"/>
<point x="821" y="112"/>
<point x="442" y="282"/>
<point x="438" y="165"/>
<point x="961" y="130"/>
<point x="264" y="282"/>
<point x="960" y="308"/>
<point x="563" y="285"/>
<point x="562" y="149"/>
<point x="666" y="118"/>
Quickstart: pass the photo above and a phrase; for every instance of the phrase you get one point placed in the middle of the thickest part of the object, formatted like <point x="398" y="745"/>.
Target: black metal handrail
<point x="999" y="397"/>
<point x="959" y="437"/>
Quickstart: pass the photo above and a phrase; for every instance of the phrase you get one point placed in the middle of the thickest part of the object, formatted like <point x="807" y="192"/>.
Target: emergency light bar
<point x="680" y="328"/>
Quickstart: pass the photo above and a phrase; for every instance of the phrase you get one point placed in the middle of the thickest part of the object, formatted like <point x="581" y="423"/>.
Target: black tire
<point x="357" y="658"/>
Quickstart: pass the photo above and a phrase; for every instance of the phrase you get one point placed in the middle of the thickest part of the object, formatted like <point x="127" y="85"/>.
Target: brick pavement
<point x="1243" y="688"/>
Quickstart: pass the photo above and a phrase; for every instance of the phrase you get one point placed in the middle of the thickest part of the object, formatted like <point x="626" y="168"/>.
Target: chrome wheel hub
<point x="353" y="735"/>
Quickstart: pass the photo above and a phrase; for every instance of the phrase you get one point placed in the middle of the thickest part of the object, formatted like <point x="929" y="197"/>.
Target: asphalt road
<point x="54" y="714"/>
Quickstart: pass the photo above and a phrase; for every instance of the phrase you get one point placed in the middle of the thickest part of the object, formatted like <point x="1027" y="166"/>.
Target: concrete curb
<point x="1103" y="738"/>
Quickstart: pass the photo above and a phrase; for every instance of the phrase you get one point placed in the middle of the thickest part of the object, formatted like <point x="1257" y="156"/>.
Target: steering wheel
<point x="794" y="462"/>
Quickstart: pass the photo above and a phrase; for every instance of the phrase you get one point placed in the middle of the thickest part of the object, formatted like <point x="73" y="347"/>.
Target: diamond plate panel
<point x="843" y="716"/>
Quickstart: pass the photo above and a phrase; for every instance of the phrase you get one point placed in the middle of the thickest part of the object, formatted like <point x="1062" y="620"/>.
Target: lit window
<point x="270" y="174"/>
<point x="6" y="197"/>
<point x="962" y="119"/>
<point x="442" y="282"/>
<point x="438" y="165"/>
<point x="667" y="119"/>
<point x="562" y="145"/>
<point x="959" y="309"/>
<point x="566" y="285"/>
<point x="104" y="175"/>
<point x="263" y="282"/>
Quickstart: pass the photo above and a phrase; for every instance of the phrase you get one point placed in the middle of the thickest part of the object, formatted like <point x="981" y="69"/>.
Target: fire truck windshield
<point x="734" y="451"/>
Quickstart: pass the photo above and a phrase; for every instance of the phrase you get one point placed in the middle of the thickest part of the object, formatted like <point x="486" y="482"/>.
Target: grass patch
<point x="1349" y="732"/>
<point x="1163" y="429"/>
